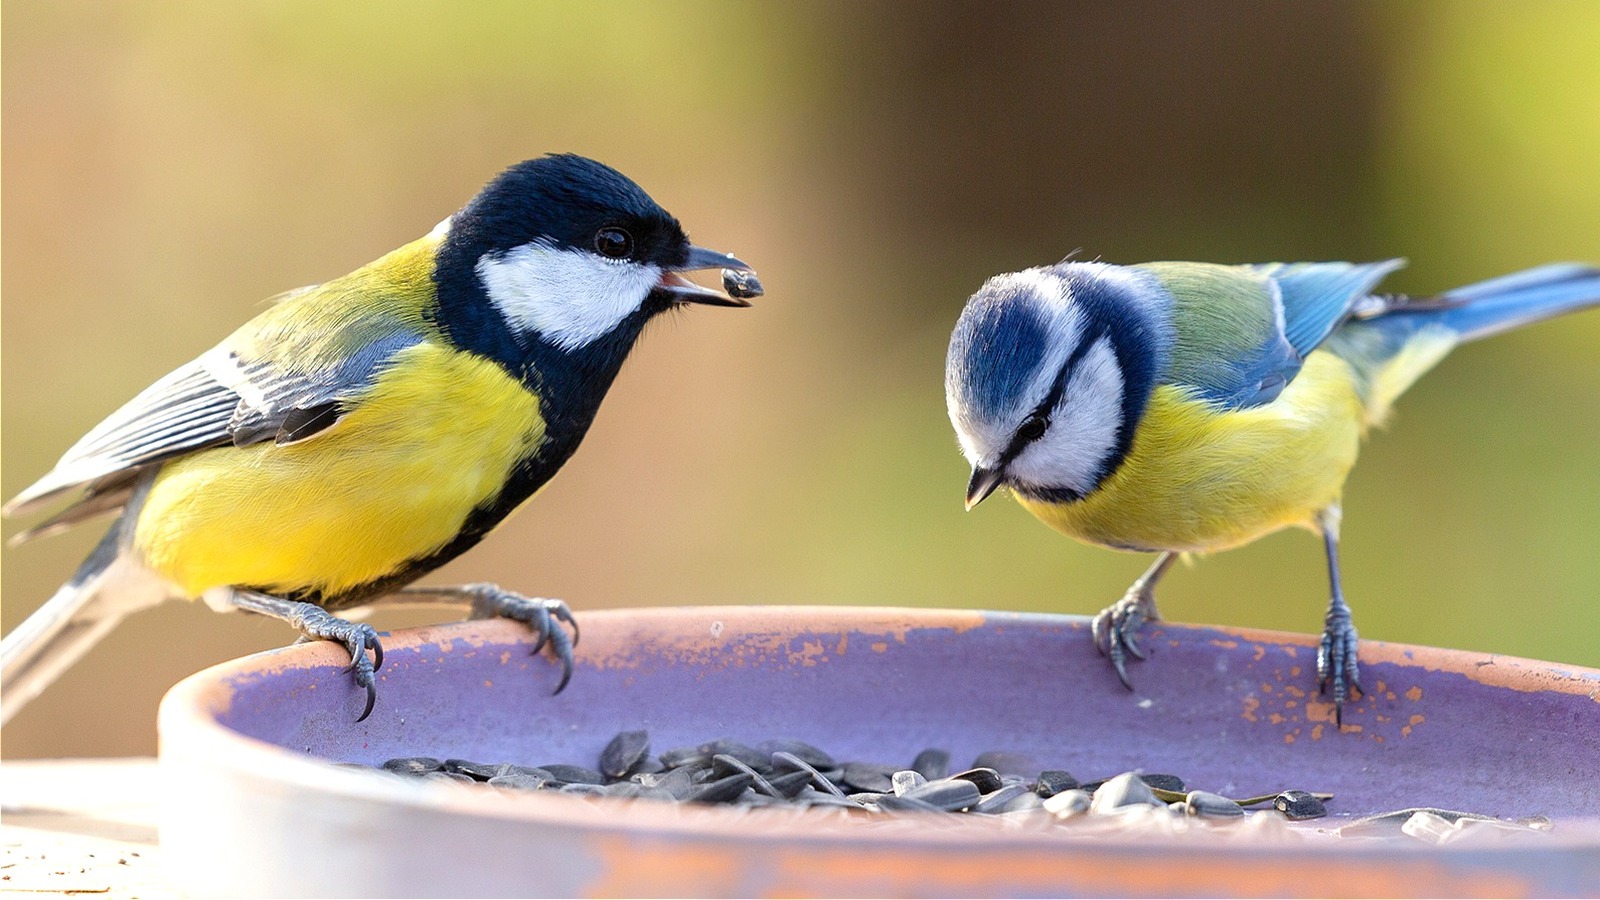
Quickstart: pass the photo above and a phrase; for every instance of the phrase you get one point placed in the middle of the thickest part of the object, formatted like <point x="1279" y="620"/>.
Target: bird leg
<point x="315" y="623"/>
<point x="1116" y="627"/>
<point x="488" y="601"/>
<point x="1338" y="670"/>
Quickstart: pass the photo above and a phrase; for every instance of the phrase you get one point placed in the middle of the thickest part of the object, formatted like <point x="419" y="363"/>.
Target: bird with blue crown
<point x="1184" y="407"/>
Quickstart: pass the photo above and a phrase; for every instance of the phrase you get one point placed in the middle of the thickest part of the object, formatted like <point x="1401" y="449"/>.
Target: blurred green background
<point x="168" y="165"/>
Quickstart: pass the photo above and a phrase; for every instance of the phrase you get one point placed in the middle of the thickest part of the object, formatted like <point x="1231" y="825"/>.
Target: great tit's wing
<point x="1242" y="332"/>
<point x="233" y="394"/>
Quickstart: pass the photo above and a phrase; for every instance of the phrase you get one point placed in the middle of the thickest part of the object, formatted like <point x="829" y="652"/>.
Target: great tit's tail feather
<point x="1511" y="301"/>
<point x="110" y="585"/>
<point x="107" y="587"/>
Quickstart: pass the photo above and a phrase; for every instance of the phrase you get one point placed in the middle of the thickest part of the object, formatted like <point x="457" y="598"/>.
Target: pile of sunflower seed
<point x="792" y="773"/>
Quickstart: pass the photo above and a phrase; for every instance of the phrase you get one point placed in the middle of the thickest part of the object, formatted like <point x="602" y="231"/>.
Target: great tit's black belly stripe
<point x="570" y="387"/>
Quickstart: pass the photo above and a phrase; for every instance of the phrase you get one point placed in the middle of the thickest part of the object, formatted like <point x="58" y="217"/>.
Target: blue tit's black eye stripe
<point x="1026" y="435"/>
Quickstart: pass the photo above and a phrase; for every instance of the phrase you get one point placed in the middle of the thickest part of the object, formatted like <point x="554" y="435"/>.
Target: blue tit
<point x="363" y="432"/>
<point x="1180" y="407"/>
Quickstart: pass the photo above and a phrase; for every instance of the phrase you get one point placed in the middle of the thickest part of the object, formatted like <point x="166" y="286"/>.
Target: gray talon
<point x="318" y="624"/>
<point x="1115" y="632"/>
<point x="544" y="616"/>
<point x="1116" y="628"/>
<point x="1338" y="671"/>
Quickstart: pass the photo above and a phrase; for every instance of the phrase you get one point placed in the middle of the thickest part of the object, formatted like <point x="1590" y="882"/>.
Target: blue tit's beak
<point x="983" y="483"/>
<point x="682" y="290"/>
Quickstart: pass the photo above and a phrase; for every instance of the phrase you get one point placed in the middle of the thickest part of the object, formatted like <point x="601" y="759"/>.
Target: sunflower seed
<point x="1123" y="791"/>
<point x="741" y="285"/>
<point x="624" y="753"/>
<point x="412" y="765"/>
<point x="1299" y="805"/>
<point x="933" y="763"/>
<point x="1053" y="781"/>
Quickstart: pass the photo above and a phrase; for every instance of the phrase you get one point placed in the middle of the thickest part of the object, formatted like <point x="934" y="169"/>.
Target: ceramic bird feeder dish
<point x="255" y="806"/>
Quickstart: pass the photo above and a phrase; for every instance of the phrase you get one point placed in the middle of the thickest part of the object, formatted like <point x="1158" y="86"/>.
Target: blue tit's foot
<point x="316" y="623"/>
<point x="1116" y="628"/>
<point x="1338" y="672"/>
<point x="544" y="616"/>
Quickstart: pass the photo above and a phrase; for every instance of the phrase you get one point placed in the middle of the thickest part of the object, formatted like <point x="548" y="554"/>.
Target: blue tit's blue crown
<point x="998" y="343"/>
<point x="1049" y="372"/>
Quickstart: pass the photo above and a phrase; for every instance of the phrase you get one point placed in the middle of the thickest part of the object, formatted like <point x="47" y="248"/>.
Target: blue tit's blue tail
<point x="1390" y="342"/>
<point x="1510" y="301"/>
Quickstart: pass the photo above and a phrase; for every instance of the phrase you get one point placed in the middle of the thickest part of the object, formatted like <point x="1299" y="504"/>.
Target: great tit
<point x="1181" y="407"/>
<point x="363" y="432"/>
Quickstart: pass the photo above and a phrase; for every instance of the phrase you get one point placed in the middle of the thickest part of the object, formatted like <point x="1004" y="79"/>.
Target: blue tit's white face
<point x="1034" y="386"/>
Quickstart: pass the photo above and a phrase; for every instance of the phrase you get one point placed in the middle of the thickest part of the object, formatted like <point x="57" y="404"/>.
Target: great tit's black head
<point x="567" y="249"/>
<point x="571" y="203"/>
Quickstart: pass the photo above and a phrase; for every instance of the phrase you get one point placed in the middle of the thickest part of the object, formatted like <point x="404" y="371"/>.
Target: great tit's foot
<point x="316" y="623"/>
<point x="545" y="617"/>
<point x="1116" y="629"/>
<point x="1338" y="672"/>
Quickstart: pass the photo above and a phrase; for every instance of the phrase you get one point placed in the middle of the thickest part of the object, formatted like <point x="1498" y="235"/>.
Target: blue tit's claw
<point x="544" y="616"/>
<point x="1338" y="671"/>
<point x="1129" y="641"/>
<point x="1119" y="662"/>
<point x="1116" y="631"/>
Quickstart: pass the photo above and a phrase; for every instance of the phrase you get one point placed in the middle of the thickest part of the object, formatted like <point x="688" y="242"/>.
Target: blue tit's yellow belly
<point x="438" y="434"/>
<point x="1200" y="479"/>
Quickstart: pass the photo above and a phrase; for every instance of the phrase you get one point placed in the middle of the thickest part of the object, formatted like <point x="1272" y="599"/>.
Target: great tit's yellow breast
<point x="1199" y="478"/>
<point x="438" y="434"/>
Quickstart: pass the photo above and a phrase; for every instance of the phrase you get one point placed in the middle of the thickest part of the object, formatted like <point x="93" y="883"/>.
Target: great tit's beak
<point x="983" y="483"/>
<point x="682" y="290"/>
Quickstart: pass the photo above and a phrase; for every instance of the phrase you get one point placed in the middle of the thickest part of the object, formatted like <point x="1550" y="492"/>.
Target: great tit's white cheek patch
<point x="569" y="297"/>
<point x="1084" y="427"/>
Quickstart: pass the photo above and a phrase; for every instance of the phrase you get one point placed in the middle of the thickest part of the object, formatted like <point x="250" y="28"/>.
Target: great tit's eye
<point x="1032" y="428"/>
<point x="613" y="242"/>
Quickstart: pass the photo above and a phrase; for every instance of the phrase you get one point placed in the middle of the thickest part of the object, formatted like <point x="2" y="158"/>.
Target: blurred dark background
<point x="166" y="166"/>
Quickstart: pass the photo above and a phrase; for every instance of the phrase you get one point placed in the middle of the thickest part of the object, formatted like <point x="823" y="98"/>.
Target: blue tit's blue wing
<point x="220" y="398"/>
<point x="1243" y="332"/>
<point x="1318" y="296"/>
<point x="1228" y="344"/>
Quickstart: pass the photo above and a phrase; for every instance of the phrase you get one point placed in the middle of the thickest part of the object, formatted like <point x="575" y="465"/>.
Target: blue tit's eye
<point x="1032" y="428"/>
<point x="613" y="242"/>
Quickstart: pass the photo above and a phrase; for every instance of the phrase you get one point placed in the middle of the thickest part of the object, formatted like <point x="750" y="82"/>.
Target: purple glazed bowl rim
<point x="193" y="736"/>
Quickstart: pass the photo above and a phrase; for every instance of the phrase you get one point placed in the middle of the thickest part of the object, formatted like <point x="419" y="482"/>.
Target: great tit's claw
<point x="372" y="699"/>
<point x="565" y="615"/>
<point x="318" y="624"/>
<point x="1338" y="671"/>
<point x="545" y="617"/>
